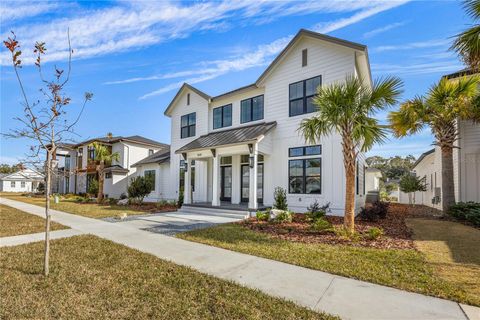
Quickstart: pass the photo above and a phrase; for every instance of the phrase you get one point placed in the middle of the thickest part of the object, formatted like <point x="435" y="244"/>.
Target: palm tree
<point x="103" y="156"/>
<point x="348" y="108"/>
<point x="446" y="102"/>
<point x="467" y="43"/>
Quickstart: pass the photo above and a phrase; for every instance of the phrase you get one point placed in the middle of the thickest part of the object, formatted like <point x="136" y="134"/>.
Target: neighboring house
<point x="466" y="164"/>
<point x="372" y="179"/>
<point x="237" y="147"/>
<point x="25" y="180"/>
<point x="76" y="166"/>
<point x="157" y="166"/>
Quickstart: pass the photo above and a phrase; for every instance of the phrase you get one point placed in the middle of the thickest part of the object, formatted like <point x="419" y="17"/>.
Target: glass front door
<point x="226" y="183"/>
<point x="245" y="183"/>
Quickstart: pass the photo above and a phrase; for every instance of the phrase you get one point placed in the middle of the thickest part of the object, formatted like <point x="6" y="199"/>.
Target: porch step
<point x="220" y="212"/>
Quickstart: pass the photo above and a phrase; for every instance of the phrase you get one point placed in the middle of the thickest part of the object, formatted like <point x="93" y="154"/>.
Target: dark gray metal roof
<point x="227" y="137"/>
<point x="134" y="139"/>
<point x="116" y="168"/>
<point x="423" y="156"/>
<point x="460" y="73"/>
<point x="161" y="156"/>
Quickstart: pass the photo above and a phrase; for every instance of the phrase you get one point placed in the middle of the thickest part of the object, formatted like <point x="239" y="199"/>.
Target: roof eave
<point x="178" y="94"/>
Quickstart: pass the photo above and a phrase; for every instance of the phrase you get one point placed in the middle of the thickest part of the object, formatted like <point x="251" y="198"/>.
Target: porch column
<point x="187" y="189"/>
<point x="215" y="180"/>
<point x="252" y="202"/>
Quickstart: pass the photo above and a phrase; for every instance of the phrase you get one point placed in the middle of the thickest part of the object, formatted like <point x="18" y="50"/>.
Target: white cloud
<point x="383" y="29"/>
<point x="16" y="10"/>
<point x="132" y="25"/>
<point x="261" y="56"/>
<point x="341" y="23"/>
<point x="442" y="66"/>
<point x="415" y="45"/>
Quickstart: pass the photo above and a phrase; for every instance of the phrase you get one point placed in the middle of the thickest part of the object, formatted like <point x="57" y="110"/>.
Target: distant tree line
<point x="6" y="168"/>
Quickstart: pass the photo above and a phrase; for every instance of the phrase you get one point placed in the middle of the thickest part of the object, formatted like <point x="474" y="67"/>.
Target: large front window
<point x="222" y="117"/>
<point x="188" y="122"/>
<point x="251" y="109"/>
<point x="90" y="153"/>
<point x="301" y="96"/>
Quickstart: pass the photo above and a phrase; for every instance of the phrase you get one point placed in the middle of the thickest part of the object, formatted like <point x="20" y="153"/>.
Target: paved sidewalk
<point x="347" y="298"/>
<point x="34" y="237"/>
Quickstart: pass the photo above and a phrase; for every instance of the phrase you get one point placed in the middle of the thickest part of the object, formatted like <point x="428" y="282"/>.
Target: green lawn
<point x="14" y="222"/>
<point x="405" y="269"/>
<point x="453" y="251"/>
<point x="92" y="278"/>
<point x="91" y="210"/>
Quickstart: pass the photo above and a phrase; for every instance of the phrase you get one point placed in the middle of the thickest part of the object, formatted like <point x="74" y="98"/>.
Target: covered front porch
<point x="226" y="168"/>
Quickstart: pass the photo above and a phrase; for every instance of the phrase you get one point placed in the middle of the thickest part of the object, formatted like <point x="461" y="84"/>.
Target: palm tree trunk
<point x="349" y="164"/>
<point x="349" y="219"/>
<point x="100" y="182"/>
<point x="448" y="191"/>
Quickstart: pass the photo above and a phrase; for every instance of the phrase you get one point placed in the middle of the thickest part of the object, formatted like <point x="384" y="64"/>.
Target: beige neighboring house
<point x="76" y="166"/>
<point x="25" y="180"/>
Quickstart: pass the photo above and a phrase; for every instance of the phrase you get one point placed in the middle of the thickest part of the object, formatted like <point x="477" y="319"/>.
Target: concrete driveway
<point x="171" y="223"/>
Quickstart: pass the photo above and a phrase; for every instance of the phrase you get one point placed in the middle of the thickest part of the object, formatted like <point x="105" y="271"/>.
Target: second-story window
<point x="251" y="109"/>
<point x="90" y="153"/>
<point x="188" y="122"/>
<point x="79" y="158"/>
<point x="67" y="162"/>
<point x="222" y="116"/>
<point x="301" y="95"/>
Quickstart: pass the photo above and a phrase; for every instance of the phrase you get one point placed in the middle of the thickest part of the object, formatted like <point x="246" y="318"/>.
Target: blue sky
<point x="134" y="55"/>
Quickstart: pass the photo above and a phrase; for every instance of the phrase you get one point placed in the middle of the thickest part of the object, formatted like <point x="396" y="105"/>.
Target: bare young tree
<point x="45" y="121"/>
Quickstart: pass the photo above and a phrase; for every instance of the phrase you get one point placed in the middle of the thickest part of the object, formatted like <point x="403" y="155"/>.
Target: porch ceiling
<point x="229" y="137"/>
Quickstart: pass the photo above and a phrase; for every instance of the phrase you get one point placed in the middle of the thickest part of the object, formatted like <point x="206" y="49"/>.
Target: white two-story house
<point x="76" y="165"/>
<point x="234" y="149"/>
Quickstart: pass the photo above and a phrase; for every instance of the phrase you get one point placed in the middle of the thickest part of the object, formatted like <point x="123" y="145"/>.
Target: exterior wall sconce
<point x="186" y="167"/>
<point x="251" y="161"/>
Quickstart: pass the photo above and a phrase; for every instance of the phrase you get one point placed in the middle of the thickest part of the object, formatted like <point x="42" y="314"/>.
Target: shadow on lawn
<point x="447" y="241"/>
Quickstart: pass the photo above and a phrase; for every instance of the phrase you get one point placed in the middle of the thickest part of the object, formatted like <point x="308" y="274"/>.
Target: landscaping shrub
<point x="180" y="199"/>
<point x="41" y="187"/>
<point x="123" y="196"/>
<point x="93" y="187"/>
<point x="112" y="201"/>
<point x="374" y="233"/>
<point x="322" y="225"/>
<point x="280" y="199"/>
<point x="262" y="215"/>
<point x="285" y="216"/>
<point x="139" y="188"/>
<point x="469" y="211"/>
<point x="315" y="211"/>
<point x="341" y="232"/>
<point x="376" y="211"/>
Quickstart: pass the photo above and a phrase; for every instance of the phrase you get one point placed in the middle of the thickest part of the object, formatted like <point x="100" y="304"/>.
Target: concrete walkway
<point x="347" y="298"/>
<point x="34" y="237"/>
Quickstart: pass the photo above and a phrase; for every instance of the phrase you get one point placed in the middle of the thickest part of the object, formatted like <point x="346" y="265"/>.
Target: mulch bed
<point x="396" y="233"/>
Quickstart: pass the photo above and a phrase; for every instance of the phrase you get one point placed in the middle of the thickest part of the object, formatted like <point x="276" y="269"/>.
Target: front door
<point x="226" y="183"/>
<point x="245" y="182"/>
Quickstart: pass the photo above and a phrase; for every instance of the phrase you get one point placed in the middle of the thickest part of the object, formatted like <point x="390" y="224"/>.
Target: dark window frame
<point x="191" y="127"/>
<point x="222" y="122"/>
<point x="251" y="109"/>
<point x="304" y="97"/>
<point x="304" y="151"/>
<point x="304" y="175"/>
<point x="304" y="57"/>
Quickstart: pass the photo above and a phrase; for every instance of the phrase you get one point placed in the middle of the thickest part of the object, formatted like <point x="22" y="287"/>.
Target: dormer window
<point x="187" y="124"/>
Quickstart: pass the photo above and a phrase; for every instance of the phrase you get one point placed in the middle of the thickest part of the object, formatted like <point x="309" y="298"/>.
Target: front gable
<point x="184" y="97"/>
